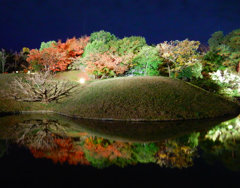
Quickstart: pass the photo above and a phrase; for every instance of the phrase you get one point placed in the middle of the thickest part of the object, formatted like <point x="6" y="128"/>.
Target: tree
<point x="178" y="55"/>
<point x="216" y="40"/>
<point x="40" y="87"/>
<point x="48" y="44"/>
<point x="146" y="62"/>
<point x="105" y="65"/>
<point x="227" y="47"/>
<point x="3" y="58"/>
<point x="57" y="56"/>
<point x="103" y="36"/>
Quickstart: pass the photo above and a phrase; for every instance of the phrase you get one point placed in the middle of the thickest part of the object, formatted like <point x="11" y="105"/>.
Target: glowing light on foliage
<point x="225" y="132"/>
<point x="228" y="81"/>
<point x="56" y="56"/>
<point x="81" y="81"/>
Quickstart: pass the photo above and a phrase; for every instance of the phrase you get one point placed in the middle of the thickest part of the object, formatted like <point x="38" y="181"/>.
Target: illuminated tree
<point x="147" y="62"/>
<point x="227" y="47"/>
<point x="57" y="56"/>
<point x="179" y="56"/>
<point x="102" y="153"/>
<point x="39" y="87"/>
<point x="104" y="65"/>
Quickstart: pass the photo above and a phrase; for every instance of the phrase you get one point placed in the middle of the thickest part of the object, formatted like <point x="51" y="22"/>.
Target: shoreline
<point x="2" y="114"/>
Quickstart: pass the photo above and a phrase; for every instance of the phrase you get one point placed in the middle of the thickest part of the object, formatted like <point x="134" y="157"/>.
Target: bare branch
<point x="40" y="87"/>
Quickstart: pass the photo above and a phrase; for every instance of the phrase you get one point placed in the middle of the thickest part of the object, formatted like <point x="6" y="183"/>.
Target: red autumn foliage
<point x="49" y="58"/>
<point x="64" y="152"/>
<point x="107" y="65"/>
<point x="74" y="47"/>
<point x="110" y="151"/>
<point x="58" y="56"/>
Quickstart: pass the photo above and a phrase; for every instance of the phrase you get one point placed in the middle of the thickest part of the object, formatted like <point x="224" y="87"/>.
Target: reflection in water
<point x="222" y="143"/>
<point x="3" y="147"/>
<point x="64" y="140"/>
<point x="37" y="133"/>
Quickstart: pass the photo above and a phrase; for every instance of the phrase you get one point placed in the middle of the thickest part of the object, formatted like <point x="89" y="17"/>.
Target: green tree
<point x="127" y="45"/>
<point x="46" y="44"/>
<point x="227" y="47"/>
<point x="216" y="40"/>
<point x="103" y="36"/>
<point x="146" y="62"/>
<point x="144" y="153"/>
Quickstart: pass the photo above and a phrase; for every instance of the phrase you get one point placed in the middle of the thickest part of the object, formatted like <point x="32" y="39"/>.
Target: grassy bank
<point x="151" y="98"/>
<point x="132" y="98"/>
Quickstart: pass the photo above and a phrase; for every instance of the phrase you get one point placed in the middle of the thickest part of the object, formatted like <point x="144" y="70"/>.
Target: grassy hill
<point x="146" y="98"/>
<point x="130" y="98"/>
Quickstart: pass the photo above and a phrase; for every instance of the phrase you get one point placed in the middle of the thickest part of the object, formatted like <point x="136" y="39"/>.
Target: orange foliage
<point x="65" y="152"/>
<point x="107" y="65"/>
<point x="111" y="151"/>
<point x="74" y="47"/>
<point x="60" y="55"/>
<point x="49" y="58"/>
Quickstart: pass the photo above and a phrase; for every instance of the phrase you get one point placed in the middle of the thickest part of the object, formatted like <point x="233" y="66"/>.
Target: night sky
<point x="29" y="22"/>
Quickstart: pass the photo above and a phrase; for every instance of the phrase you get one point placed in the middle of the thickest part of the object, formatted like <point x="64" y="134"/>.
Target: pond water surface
<point x="37" y="149"/>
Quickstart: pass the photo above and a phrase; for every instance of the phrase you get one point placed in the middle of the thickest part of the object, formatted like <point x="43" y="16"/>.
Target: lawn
<point x="131" y="98"/>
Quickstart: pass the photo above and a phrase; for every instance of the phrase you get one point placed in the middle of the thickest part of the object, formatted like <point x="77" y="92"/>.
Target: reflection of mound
<point x="103" y="144"/>
<point x="116" y="130"/>
<point x="145" y="132"/>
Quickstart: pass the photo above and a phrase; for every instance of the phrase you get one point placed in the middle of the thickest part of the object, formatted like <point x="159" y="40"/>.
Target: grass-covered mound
<point x="148" y="98"/>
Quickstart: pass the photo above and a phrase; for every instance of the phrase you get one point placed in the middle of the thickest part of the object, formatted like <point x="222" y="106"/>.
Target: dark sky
<point x="28" y="22"/>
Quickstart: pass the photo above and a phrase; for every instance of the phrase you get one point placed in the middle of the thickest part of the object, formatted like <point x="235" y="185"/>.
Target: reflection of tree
<point x="37" y="134"/>
<point x="172" y="154"/>
<point x="145" y="153"/>
<point x="65" y="151"/>
<point x="3" y="147"/>
<point x="222" y="143"/>
<point x="102" y="152"/>
<point x="225" y="132"/>
<point x="48" y="139"/>
<point x="179" y="152"/>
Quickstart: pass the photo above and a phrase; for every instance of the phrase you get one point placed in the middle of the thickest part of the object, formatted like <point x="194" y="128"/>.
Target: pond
<point x="40" y="148"/>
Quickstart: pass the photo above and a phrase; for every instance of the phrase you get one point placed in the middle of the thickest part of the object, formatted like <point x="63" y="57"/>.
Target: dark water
<point x="50" y="150"/>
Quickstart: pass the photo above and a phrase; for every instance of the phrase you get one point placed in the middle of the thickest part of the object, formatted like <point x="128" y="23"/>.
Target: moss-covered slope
<point x="149" y="98"/>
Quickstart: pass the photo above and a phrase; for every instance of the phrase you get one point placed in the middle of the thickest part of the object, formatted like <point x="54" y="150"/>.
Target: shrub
<point x="190" y="72"/>
<point x="228" y="82"/>
<point x="207" y="84"/>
